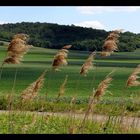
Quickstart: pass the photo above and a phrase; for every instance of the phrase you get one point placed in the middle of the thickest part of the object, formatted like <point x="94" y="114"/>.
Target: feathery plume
<point x="102" y="87"/>
<point x="60" y="58"/>
<point x="62" y="87"/>
<point x="17" y="48"/>
<point x="100" y="91"/>
<point x="32" y="90"/>
<point x="132" y="80"/>
<point x="88" y="64"/>
<point x="96" y="95"/>
<point x="110" y="44"/>
<point x="11" y="60"/>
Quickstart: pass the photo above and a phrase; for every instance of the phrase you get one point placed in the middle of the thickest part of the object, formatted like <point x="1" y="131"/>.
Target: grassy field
<point x="18" y="77"/>
<point x="33" y="123"/>
<point x="37" y="59"/>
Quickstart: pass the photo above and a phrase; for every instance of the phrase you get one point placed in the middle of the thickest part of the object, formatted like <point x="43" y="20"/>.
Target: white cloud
<point x="90" y="24"/>
<point x="101" y="9"/>
<point x="3" y="22"/>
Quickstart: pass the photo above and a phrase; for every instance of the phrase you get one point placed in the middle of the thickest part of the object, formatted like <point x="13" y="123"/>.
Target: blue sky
<point x="99" y="17"/>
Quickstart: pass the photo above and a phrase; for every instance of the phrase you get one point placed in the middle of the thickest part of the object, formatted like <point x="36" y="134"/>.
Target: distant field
<point x="37" y="59"/>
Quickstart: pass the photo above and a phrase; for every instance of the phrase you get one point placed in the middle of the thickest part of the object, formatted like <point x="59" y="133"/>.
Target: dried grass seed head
<point x="60" y="59"/>
<point x="21" y="36"/>
<point x="32" y="90"/>
<point x="110" y="44"/>
<point x="100" y="91"/>
<point x="17" y="48"/>
<point x="62" y="87"/>
<point x="11" y="60"/>
<point x="132" y="79"/>
<point x="88" y="64"/>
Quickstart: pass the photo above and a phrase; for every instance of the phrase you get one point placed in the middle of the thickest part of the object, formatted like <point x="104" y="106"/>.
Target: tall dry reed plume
<point x="17" y="48"/>
<point x="60" y="58"/>
<point x="62" y="88"/>
<point x="88" y="64"/>
<point x="32" y="90"/>
<point x="132" y="80"/>
<point x="97" y="94"/>
<point x="103" y="86"/>
<point x="110" y="44"/>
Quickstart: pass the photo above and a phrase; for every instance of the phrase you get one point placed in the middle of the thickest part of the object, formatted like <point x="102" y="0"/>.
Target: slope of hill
<point x="48" y="35"/>
<point x="37" y="59"/>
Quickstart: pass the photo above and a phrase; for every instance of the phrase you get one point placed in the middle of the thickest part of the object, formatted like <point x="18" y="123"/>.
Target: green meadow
<point x="117" y="101"/>
<point x="38" y="59"/>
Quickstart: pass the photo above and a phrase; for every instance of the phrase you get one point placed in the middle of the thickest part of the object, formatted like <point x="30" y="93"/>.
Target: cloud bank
<point x="90" y="24"/>
<point x="102" y="9"/>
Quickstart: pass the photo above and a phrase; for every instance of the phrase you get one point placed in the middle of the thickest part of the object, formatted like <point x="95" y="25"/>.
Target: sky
<point x="98" y="17"/>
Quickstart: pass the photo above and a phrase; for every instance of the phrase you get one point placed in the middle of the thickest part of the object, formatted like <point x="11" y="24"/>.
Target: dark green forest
<point x="48" y="35"/>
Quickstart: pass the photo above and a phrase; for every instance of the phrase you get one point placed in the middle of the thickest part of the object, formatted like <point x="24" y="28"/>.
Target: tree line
<point x="48" y="35"/>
